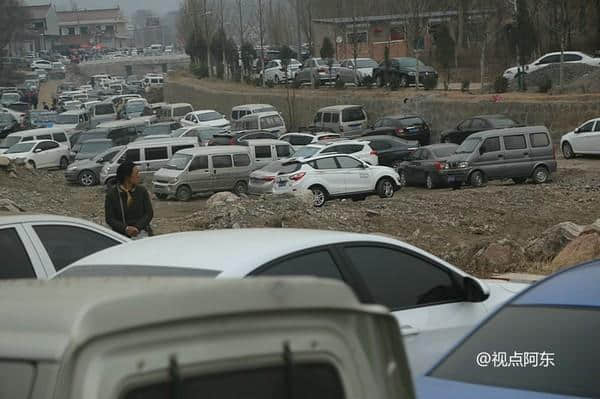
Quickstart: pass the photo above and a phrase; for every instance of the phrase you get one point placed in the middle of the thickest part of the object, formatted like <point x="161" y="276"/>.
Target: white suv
<point x="338" y="176"/>
<point x="570" y="57"/>
<point x="40" y="154"/>
<point x="41" y="64"/>
<point x="583" y="140"/>
<point x="359" y="149"/>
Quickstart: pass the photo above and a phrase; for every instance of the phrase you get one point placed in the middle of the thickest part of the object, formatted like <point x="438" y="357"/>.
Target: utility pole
<point x="223" y="39"/>
<point x="241" y="41"/>
<point x="298" y="10"/>
<point x="207" y="39"/>
<point x="262" y="44"/>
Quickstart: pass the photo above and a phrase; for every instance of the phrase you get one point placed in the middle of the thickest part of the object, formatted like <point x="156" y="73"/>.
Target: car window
<point x="335" y="118"/>
<point x="318" y="264"/>
<point x="539" y="140"/>
<point x="352" y="115"/>
<point x="12" y="248"/>
<point x="262" y="151"/>
<point x="60" y="137"/>
<point x="464" y="125"/>
<point x="492" y="144"/>
<point x="326" y="117"/>
<point x="349" y="163"/>
<point x="156" y="153"/>
<point x="401" y="280"/>
<point x="318" y="117"/>
<point x="550" y="59"/>
<point x="380" y="145"/>
<point x="283" y="151"/>
<point x="379" y="123"/>
<point x="597" y="127"/>
<point x="176" y="148"/>
<point x="569" y="57"/>
<point x="199" y="162"/>
<point x="587" y="127"/>
<point x="240" y="160"/>
<point x="551" y="352"/>
<point x="43" y="137"/>
<point x="325" y="163"/>
<point x="222" y="161"/>
<point x="104" y="109"/>
<point x="300" y="140"/>
<point x="516" y="142"/>
<point x="133" y="155"/>
<point x="477" y="124"/>
<point x="68" y="244"/>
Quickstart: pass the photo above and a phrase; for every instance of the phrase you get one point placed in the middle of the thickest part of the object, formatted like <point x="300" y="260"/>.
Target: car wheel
<point x="477" y="179"/>
<point x="519" y="180"/>
<point x="429" y="183"/>
<point x="541" y="175"/>
<point x="403" y="81"/>
<point x="87" y="178"/>
<point x="385" y="188"/>
<point x="162" y="197"/>
<point x="403" y="181"/>
<point x="64" y="163"/>
<point x="567" y="151"/>
<point x="184" y="193"/>
<point x="319" y="196"/>
<point x="240" y="188"/>
<point x="32" y="164"/>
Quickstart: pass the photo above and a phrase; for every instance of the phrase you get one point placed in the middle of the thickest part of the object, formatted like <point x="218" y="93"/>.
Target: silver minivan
<point x="348" y="120"/>
<point x="519" y="154"/>
<point x="265" y="121"/>
<point x="148" y="155"/>
<point x="240" y="111"/>
<point x="265" y="151"/>
<point x="204" y="170"/>
<point x="174" y="112"/>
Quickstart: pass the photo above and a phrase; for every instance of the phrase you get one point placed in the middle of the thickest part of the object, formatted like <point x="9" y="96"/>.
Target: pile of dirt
<point x="588" y="83"/>
<point x="571" y="74"/>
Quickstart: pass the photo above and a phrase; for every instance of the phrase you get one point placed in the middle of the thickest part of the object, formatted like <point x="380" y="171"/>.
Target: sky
<point x="128" y="6"/>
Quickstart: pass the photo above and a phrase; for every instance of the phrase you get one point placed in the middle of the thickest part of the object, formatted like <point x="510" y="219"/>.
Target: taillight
<point x="373" y="152"/>
<point x="400" y="130"/>
<point x="268" y="178"/>
<point x="440" y="165"/>
<point x="322" y="69"/>
<point x="298" y="176"/>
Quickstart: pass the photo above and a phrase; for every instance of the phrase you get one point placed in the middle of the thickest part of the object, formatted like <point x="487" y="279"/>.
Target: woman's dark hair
<point x="124" y="171"/>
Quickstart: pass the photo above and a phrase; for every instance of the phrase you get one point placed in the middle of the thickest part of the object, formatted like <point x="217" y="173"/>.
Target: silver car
<point x="86" y="172"/>
<point x="318" y="68"/>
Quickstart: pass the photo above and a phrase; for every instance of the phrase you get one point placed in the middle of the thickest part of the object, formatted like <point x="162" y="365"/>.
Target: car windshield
<point x="444" y="152"/>
<point x="95" y="147"/>
<point x="67" y="119"/>
<point x="21" y="147"/>
<point x="411" y="121"/>
<point x="503" y="123"/>
<point x="209" y="116"/>
<point x="468" y="146"/>
<point x="105" y="155"/>
<point x="135" y="106"/>
<point x="366" y="64"/>
<point x="306" y="152"/>
<point x="178" y="162"/>
<point x="10" y="141"/>
<point x="179" y="132"/>
<point x="410" y="62"/>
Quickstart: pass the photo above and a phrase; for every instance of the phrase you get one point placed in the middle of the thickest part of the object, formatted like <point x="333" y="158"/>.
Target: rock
<point x="7" y="205"/>
<point x="372" y="213"/>
<point x="500" y="256"/>
<point x="584" y="248"/>
<point x="302" y="198"/>
<point x="4" y="162"/>
<point x="12" y="175"/>
<point x="221" y="199"/>
<point x="552" y="241"/>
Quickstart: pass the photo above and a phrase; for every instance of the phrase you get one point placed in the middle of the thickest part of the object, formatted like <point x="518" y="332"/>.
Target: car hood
<point x="15" y="155"/>
<point x="84" y="156"/>
<point x="215" y="123"/>
<point x="85" y="164"/>
<point x="167" y="174"/>
<point x="567" y="136"/>
<point x="459" y="157"/>
<point x="257" y="174"/>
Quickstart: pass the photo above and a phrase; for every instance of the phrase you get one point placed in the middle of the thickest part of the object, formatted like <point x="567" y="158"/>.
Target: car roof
<point x="214" y="150"/>
<point x="257" y="114"/>
<point x="265" y="142"/>
<point x="97" y="140"/>
<point x="122" y="123"/>
<point x="165" y="141"/>
<point x="439" y="146"/>
<point x="512" y="130"/>
<point x="36" y="132"/>
<point x="74" y="111"/>
<point x="52" y="317"/>
<point x="334" y="108"/>
<point x="228" y="250"/>
<point x="250" y="106"/>
<point x="173" y="105"/>
<point x="203" y="111"/>
<point x="492" y="116"/>
<point x="401" y="116"/>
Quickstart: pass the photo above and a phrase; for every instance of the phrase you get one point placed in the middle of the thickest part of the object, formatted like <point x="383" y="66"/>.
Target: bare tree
<point x="417" y="26"/>
<point x="12" y="20"/>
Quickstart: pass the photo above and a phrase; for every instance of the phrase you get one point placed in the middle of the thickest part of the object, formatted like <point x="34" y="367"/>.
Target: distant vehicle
<point x="86" y="149"/>
<point x="206" y="118"/>
<point x="40" y="154"/>
<point x="73" y="120"/>
<point x="474" y="125"/>
<point x="9" y="99"/>
<point x="298" y="140"/>
<point x="424" y="166"/>
<point x="41" y="64"/>
<point x="55" y="134"/>
<point x="238" y="112"/>
<point x="58" y="67"/>
<point x="8" y="124"/>
<point x="162" y="128"/>
<point x="569" y="299"/>
<point x="408" y="127"/>
<point x="270" y="121"/>
<point x="359" y="149"/>
<point x="347" y="120"/>
<point x="275" y="72"/>
<point x="42" y="74"/>
<point x="391" y="151"/>
<point x="364" y="69"/>
<point x="570" y="57"/>
<point x="87" y="172"/>
<point x="134" y="108"/>
<point x="205" y="134"/>
<point x="174" y="112"/>
<point x="515" y="153"/>
<point x="582" y="141"/>
<point x="404" y="71"/>
<point x="42" y="119"/>
<point x="318" y="68"/>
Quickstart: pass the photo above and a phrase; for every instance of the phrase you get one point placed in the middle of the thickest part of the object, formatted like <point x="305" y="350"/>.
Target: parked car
<point x="318" y="68"/>
<point x="174" y="112"/>
<point x="65" y="321"/>
<point x="9" y="98"/>
<point x="205" y="134"/>
<point x="122" y="132"/>
<point x="275" y="72"/>
<point x="205" y="118"/>
<point x="267" y="121"/>
<point x="570" y="57"/>
<point x="42" y="74"/>
<point x="391" y="151"/>
<point x="364" y="67"/>
<point x="408" y="127"/>
<point x="73" y="120"/>
<point x="425" y="167"/>
<point x="584" y="140"/>
<point x="55" y="134"/>
<point x="134" y="108"/>
<point x="204" y="170"/>
<point x="41" y="64"/>
<point x="8" y="124"/>
<point x="86" y="149"/>
<point x="40" y="245"/>
<point x="474" y="125"/>
<point x="236" y="138"/>
<point x="517" y="153"/>
<point x="40" y="154"/>
<point x="265" y="151"/>
<point x="161" y="128"/>
<point x="101" y="113"/>
<point x="347" y="120"/>
<point x="261" y="180"/>
<point x="434" y="302"/>
<point x="404" y="71"/>
<point x="541" y="344"/>
<point x="298" y="140"/>
<point x="86" y="172"/>
<point x="359" y="149"/>
<point x="240" y="111"/>
<point x="74" y="105"/>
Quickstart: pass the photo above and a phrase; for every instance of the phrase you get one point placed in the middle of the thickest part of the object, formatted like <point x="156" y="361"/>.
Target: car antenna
<point x="289" y="368"/>
<point x="175" y="378"/>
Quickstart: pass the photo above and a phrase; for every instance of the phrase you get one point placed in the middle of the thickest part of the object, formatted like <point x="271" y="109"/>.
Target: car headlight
<point x="463" y="165"/>
<point x="73" y="168"/>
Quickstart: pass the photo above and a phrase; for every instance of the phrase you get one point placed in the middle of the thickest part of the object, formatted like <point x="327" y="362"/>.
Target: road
<point x="47" y="91"/>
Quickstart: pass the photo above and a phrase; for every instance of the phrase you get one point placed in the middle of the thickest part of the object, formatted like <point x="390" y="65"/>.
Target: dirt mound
<point x="571" y="73"/>
<point x="588" y="83"/>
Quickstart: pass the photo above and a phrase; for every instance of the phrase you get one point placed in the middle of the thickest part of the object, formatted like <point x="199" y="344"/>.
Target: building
<point x="41" y="31"/>
<point x="94" y="28"/>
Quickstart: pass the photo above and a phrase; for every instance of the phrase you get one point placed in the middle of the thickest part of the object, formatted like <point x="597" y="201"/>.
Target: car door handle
<point x="408" y="330"/>
<point x="525" y="153"/>
<point x="500" y="156"/>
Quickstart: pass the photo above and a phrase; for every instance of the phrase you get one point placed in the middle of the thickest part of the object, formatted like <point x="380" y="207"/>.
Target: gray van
<point x="348" y="120"/>
<point x="204" y="170"/>
<point x="102" y="112"/>
<point x="517" y="153"/>
<point x="265" y="151"/>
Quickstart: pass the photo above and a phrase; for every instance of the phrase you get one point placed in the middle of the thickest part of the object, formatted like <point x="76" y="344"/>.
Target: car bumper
<point x="454" y="177"/>
<point x="164" y="188"/>
<point x="105" y="176"/>
<point x="258" y="188"/>
<point x="71" y="175"/>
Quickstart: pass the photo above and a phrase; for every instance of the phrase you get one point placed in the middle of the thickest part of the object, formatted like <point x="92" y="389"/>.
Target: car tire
<point x="183" y="194"/>
<point x="404" y="81"/>
<point x="519" y="180"/>
<point x="32" y="164"/>
<point x="87" y="178"/>
<point x="567" y="151"/>
<point x="403" y="180"/>
<point x="63" y="163"/>
<point x="385" y="188"/>
<point x="477" y="179"/>
<point x="541" y="175"/>
<point x="276" y="80"/>
<point x="161" y="196"/>
<point x="240" y="188"/>
<point x="319" y="196"/>
<point x="429" y="183"/>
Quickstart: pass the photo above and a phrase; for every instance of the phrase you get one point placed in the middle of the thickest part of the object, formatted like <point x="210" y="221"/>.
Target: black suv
<point x="476" y="124"/>
<point x="404" y="70"/>
<point x="408" y="127"/>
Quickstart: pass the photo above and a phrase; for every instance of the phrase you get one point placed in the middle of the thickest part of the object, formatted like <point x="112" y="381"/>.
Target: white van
<point x="266" y="121"/>
<point x="73" y="120"/>
<point x="148" y="155"/>
<point x="242" y="110"/>
<point x="174" y="112"/>
<point x="102" y="112"/>
<point x="265" y="151"/>
<point x="51" y="133"/>
<point x="348" y="120"/>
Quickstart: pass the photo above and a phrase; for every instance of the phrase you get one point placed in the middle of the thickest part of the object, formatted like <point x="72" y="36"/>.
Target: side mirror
<point x="578" y="130"/>
<point x="474" y="291"/>
<point x="37" y="150"/>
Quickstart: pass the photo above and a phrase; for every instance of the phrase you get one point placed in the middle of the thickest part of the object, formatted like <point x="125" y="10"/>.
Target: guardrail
<point x="161" y="59"/>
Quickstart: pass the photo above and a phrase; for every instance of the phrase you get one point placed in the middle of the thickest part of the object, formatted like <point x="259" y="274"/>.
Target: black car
<point x="404" y="70"/>
<point x="408" y="127"/>
<point x="424" y="166"/>
<point x="392" y="151"/>
<point x="476" y="124"/>
<point x="236" y="137"/>
<point x="8" y="124"/>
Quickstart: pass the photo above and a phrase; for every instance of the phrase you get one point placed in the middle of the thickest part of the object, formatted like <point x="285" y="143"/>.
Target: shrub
<point x="546" y="85"/>
<point x="430" y="82"/>
<point x="340" y="84"/>
<point x="270" y="84"/>
<point x="500" y="84"/>
<point x="465" y="85"/>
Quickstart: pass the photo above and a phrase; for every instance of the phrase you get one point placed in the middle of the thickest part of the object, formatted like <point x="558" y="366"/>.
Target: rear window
<point x="153" y="154"/>
<point x="283" y="151"/>
<point x="352" y="115"/>
<point x="327" y="117"/>
<point x="240" y="160"/>
<point x="262" y="151"/>
<point x="299" y="140"/>
<point x="539" y="140"/>
<point x="60" y="137"/>
<point x="222" y="161"/>
<point x="182" y="111"/>
<point x="516" y="142"/>
<point x="104" y="109"/>
<point x="411" y="121"/>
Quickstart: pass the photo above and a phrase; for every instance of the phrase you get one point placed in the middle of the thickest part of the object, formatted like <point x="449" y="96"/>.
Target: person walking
<point x="128" y="209"/>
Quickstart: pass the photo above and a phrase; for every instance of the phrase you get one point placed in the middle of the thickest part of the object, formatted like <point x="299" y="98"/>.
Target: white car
<point x="434" y="302"/>
<point x="41" y="64"/>
<point x="40" y="245"/>
<point x="337" y="176"/>
<point x="298" y="140"/>
<point x="357" y="148"/>
<point x="570" y="57"/>
<point x="58" y="66"/>
<point x="42" y="74"/>
<point x="40" y="154"/>
<point x="583" y="140"/>
<point x="364" y="68"/>
<point x="274" y="71"/>
<point x="206" y="118"/>
<point x="74" y="105"/>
